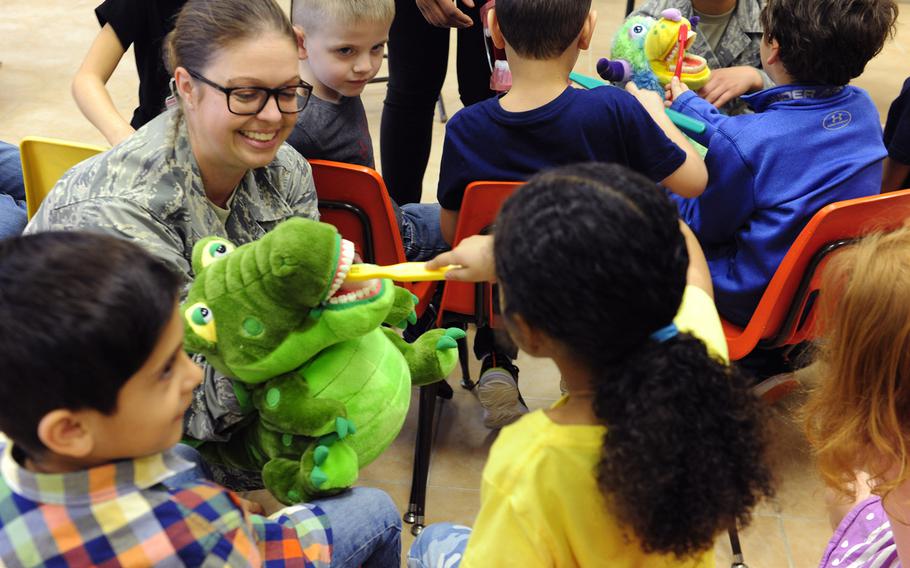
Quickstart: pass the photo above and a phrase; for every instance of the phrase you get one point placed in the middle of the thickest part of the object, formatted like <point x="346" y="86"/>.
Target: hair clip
<point x="667" y="332"/>
<point x="171" y="100"/>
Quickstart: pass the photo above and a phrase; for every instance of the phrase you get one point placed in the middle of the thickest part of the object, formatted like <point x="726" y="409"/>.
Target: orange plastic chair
<point x="785" y="314"/>
<point x="462" y="302"/>
<point x="45" y="160"/>
<point x="355" y="200"/>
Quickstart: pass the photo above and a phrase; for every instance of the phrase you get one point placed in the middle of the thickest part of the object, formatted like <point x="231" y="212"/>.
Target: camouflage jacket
<point x="738" y="46"/>
<point x="148" y="189"/>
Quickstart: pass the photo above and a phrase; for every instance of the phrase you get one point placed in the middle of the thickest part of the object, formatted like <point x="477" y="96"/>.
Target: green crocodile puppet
<point x="326" y="385"/>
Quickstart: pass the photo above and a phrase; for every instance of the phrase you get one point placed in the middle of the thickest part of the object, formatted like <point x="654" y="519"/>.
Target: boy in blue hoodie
<point x="813" y="140"/>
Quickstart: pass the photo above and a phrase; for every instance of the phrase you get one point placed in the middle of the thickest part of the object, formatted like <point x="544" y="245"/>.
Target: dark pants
<point x="418" y="57"/>
<point x="762" y="364"/>
<point x="488" y="341"/>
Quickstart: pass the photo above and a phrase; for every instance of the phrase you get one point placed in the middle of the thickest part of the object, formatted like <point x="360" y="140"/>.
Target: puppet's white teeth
<point x="360" y="294"/>
<point x="345" y="260"/>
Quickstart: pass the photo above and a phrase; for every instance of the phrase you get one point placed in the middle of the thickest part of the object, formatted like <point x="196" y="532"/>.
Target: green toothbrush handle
<point x="686" y="123"/>
<point x="679" y="119"/>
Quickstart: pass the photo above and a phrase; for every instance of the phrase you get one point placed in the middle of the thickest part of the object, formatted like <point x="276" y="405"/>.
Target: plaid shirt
<point x="119" y="514"/>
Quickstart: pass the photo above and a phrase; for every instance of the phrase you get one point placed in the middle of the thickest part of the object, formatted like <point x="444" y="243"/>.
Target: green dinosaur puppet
<point x="327" y="387"/>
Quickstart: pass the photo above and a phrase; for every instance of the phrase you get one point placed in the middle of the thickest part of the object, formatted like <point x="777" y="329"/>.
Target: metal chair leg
<point x="463" y="356"/>
<point x="738" y="561"/>
<point x="441" y="107"/>
<point x="422" y="449"/>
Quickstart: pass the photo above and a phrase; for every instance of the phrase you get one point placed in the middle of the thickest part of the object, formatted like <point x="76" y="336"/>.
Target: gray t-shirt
<point x="337" y="132"/>
<point x="713" y="27"/>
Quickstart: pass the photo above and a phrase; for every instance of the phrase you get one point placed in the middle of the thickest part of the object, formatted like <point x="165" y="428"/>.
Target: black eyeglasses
<point x="247" y="101"/>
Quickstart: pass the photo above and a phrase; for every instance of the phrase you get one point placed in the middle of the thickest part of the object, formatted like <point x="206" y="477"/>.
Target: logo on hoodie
<point x="837" y="119"/>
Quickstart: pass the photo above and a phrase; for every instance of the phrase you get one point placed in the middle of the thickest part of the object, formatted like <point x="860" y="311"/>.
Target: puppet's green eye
<point x="202" y="315"/>
<point x="218" y="249"/>
<point x="215" y="250"/>
<point x="201" y="321"/>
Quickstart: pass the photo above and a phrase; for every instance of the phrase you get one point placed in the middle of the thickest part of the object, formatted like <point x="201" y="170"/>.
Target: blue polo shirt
<point x="897" y="129"/>
<point x="605" y="124"/>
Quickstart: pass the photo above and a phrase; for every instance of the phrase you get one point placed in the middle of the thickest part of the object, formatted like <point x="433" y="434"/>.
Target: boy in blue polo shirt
<point x="813" y="140"/>
<point x="541" y="123"/>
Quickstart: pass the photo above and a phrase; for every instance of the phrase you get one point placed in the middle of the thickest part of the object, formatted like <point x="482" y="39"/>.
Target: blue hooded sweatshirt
<point x="768" y="173"/>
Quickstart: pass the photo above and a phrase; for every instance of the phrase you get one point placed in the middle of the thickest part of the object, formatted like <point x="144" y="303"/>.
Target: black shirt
<point x="897" y="129"/>
<point x="144" y="25"/>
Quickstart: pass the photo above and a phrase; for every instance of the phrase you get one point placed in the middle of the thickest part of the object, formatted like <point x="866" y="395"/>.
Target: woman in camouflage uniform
<point x="215" y="163"/>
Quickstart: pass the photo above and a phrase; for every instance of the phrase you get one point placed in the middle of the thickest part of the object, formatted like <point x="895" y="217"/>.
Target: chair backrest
<point x="481" y="204"/>
<point x="45" y="160"/>
<point x="355" y="200"/>
<point x="785" y="314"/>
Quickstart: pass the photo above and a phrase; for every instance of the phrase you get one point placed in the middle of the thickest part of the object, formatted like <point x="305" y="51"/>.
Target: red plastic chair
<point x="785" y="314"/>
<point x="355" y="200"/>
<point x="464" y="303"/>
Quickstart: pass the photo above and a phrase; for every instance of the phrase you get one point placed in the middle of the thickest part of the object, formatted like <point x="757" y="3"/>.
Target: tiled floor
<point x="41" y="45"/>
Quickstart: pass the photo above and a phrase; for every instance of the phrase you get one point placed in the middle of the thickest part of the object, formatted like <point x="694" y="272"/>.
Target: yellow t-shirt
<point x="540" y="503"/>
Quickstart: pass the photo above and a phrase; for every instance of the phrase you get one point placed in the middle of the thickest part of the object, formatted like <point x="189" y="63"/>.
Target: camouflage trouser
<point x="212" y="414"/>
<point x="439" y="545"/>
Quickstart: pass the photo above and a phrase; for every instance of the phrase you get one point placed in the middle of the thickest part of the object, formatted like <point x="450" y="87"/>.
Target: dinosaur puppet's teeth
<point x="345" y="260"/>
<point x="367" y="292"/>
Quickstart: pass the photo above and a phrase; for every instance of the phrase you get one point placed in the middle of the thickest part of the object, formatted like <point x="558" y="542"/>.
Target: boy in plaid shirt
<point x="93" y="390"/>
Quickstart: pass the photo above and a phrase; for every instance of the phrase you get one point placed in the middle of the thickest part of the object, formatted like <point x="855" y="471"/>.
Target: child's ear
<point x="773" y="52"/>
<point x="587" y="30"/>
<point x="528" y="338"/>
<point x="495" y="32"/>
<point x="66" y="433"/>
<point x="301" y="42"/>
<point x="185" y="88"/>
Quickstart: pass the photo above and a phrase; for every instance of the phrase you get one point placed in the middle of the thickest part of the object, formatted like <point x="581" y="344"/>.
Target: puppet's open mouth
<point x="341" y="292"/>
<point x="691" y="63"/>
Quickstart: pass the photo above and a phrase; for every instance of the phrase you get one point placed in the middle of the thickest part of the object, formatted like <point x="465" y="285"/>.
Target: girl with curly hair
<point x="658" y="445"/>
<point x="858" y="416"/>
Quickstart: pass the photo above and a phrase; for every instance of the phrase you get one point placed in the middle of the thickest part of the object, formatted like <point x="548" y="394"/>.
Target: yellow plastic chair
<point x="45" y="160"/>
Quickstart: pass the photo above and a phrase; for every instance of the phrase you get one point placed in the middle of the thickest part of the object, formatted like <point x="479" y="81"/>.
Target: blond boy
<point x="341" y="44"/>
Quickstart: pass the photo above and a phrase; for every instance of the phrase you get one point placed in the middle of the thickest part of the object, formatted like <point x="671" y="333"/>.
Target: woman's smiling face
<point x="225" y="143"/>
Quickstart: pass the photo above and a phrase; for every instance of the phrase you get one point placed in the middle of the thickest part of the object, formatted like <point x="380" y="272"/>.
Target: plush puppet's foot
<point x="343" y="428"/>
<point x="433" y="355"/>
<point x="329" y="468"/>
<point x="450" y="338"/>
<point x="324" y="469"/>
<point x="402" y="312"/>
<point x="280" y="476"/>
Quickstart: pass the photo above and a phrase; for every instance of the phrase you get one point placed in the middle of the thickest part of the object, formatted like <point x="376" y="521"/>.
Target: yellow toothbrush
<point x="404" y="272"/>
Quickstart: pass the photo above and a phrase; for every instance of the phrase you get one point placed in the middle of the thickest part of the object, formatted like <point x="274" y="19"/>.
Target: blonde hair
<point x="309" y="14"/>
<point x="858" y="417"/>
